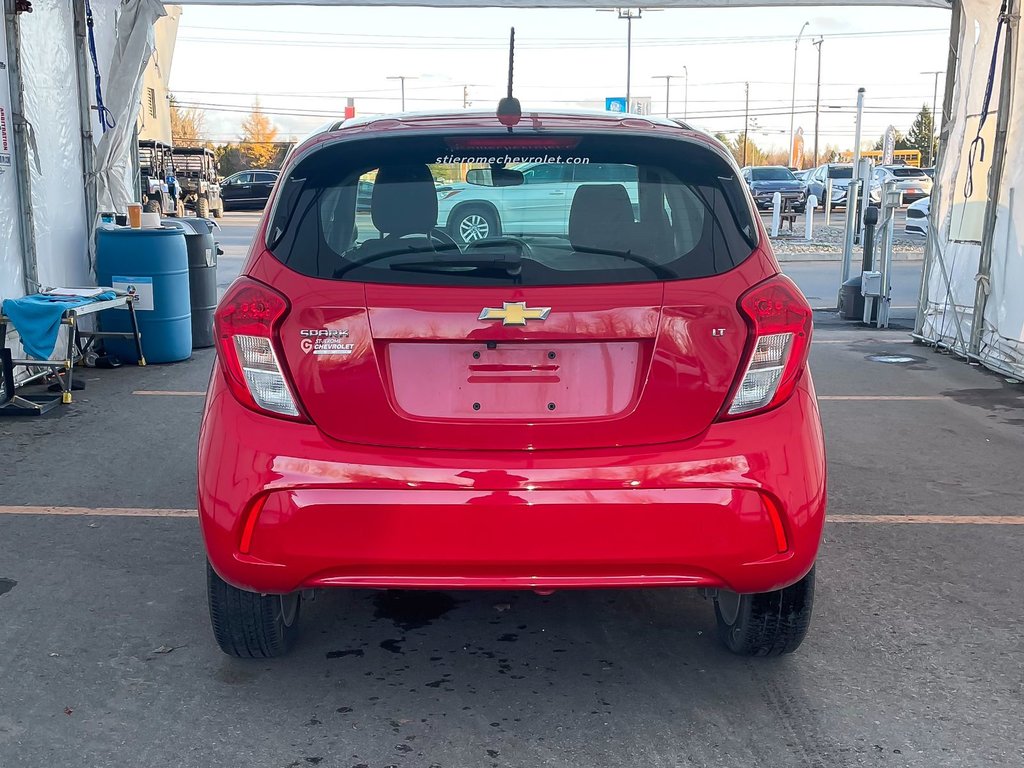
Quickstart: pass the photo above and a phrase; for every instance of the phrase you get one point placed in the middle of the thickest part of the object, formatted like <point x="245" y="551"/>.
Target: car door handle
<point x="560" y="194"/>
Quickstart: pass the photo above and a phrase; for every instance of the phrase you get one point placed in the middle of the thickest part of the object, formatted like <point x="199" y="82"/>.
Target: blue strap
<point x="977" y="149"/>
<point x="106" y="119"/>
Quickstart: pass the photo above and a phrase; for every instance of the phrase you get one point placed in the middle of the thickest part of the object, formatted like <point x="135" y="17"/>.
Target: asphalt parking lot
<point x="914" y="658"/>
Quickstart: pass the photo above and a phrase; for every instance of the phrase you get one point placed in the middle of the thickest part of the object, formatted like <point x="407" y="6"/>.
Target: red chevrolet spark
<point x="554" y="356"/>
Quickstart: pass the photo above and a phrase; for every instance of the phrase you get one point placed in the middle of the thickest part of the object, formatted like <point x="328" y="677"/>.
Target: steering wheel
<point x="496" y="242"/>
<point x="434" y="235"/>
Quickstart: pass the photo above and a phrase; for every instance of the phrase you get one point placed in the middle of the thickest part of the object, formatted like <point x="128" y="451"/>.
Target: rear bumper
<point x="740" y="508"/>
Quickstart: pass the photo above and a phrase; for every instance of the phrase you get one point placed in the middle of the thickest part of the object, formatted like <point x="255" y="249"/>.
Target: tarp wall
<point x="50" y="74"/>
<point x="11" y="275"/>
<point x="957" y="225"/>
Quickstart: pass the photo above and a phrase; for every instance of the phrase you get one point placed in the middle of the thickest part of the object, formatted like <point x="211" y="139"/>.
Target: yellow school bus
<point x="899" y="157"/>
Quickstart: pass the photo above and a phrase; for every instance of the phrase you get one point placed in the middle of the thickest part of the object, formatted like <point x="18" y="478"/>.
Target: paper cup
<point x="150" y="220"/>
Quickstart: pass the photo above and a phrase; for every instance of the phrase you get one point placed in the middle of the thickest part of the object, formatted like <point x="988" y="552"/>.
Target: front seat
<point x="601" y="217"/>
<point x="403" y="203"/>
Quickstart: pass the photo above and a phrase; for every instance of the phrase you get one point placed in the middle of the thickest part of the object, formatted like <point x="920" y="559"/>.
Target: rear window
<point x="907" y="173"/>
<point x="486" y="210"/>
<point x="771" y="174"/>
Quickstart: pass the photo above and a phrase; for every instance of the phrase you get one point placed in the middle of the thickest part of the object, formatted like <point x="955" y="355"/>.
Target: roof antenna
<point x="509" y="110"/>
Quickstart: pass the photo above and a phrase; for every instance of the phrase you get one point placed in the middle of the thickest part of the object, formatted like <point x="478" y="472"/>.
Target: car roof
<point x="486" y="120"/>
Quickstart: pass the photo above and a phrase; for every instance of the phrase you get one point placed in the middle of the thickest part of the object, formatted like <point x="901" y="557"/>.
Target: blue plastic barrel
<point x="153" y="262"/>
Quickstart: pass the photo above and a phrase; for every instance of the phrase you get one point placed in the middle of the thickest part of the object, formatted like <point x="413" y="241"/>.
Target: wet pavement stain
<point x="6" y="585"/>
<point x="413" y="609"/>
<point x="340" y="654"/>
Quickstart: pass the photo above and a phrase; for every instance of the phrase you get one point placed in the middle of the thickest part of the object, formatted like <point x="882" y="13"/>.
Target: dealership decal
<point x="325" y="341"/>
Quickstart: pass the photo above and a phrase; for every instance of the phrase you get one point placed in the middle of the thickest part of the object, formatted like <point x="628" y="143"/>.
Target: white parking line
<point x="882" y="397"/>
<point x="861" y="340"/>
<point x="168" y="393"/>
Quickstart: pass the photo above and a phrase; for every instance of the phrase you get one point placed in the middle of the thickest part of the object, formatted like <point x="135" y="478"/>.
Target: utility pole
<point x="792" y="108"/>
<point x="817" y="102"/>
<point x="465" y="97"/>
<point x="746" y="119"/>
<point x="402" y="78"/>
<point x="686" y="90"/>
<point x="935" y="96"/>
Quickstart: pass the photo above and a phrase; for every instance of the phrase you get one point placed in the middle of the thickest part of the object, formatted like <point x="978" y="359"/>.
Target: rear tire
<point x="203" y="208"/>
<point x="248" y="625"/>
<point x="473" y="223"/>
<point x="766" y="623"/>
<point x="218" y="212"/>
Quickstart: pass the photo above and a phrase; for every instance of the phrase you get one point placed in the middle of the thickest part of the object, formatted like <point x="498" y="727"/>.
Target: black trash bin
<point x="202" y="277"/>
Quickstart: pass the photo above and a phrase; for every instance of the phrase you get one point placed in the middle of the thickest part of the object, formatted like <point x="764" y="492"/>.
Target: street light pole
<point x="935" y="96"/>
<point x="402" y="78"/>
<point x="746" y="119"/>
<point x="792" y="109"/>
<point x="817" y="102"/>
<point x="629" y="14"/>
<point x="668" y="79"/>
<point x="686" y="90"/>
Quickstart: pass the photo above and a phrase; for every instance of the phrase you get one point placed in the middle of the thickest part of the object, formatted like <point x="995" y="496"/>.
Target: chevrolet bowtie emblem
<point x="515" y="313"/>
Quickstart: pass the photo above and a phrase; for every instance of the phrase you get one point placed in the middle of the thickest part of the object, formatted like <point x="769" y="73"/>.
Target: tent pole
<point x="85" y="118"/>
<point x="931" y="244"/>
<point x="22" y="148"/>
<point x="995" y="176"/>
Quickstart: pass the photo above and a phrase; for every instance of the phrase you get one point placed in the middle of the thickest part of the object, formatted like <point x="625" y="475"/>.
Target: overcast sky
<point x="304" y="62"/>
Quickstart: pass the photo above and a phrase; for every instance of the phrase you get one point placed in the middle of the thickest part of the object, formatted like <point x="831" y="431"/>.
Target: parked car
<point x="608" y="391"/>
<point x="911" y="181"/>
<point x="841" y="174"/>
<point x="917" y="216"/>
<point x="248" y="189"/>
<point x="470" y="212"/>
<point x="158" y="191"/>
<point x="929" y="172"/>
<point x="764" y="181"/>
<point x="364" y="194"/>
<point x="196" y="172"/>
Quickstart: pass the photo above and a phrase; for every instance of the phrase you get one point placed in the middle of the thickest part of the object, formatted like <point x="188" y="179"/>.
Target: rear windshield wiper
<point x="656" y="268"/>
<point x="511" y="267"/>
<point x="400" y="251"/>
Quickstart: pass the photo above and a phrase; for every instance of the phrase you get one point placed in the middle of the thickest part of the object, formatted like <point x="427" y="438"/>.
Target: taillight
<point x="780" y="320"/>
<point x="245" y="322"/>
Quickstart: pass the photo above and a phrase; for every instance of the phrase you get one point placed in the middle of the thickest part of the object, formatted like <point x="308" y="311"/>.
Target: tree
<point x="229" y="159"/>
<point x="901" y="142"/>
<point x="922" y="134"/>
<point x="258" y="138"/>
<point x="187" y="125"/>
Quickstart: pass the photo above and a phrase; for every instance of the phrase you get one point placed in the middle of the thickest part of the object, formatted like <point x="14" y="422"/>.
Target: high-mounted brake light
<point x="513" y="142"/>
<point x="245" y="323"/>
<point x="781" y="320"/>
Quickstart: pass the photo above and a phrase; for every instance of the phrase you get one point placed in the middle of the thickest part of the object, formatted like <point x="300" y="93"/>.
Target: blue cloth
<point x="37" y="319"/>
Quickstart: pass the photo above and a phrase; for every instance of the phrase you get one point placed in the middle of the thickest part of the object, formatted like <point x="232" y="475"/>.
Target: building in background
<point x="155" y="114"/>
